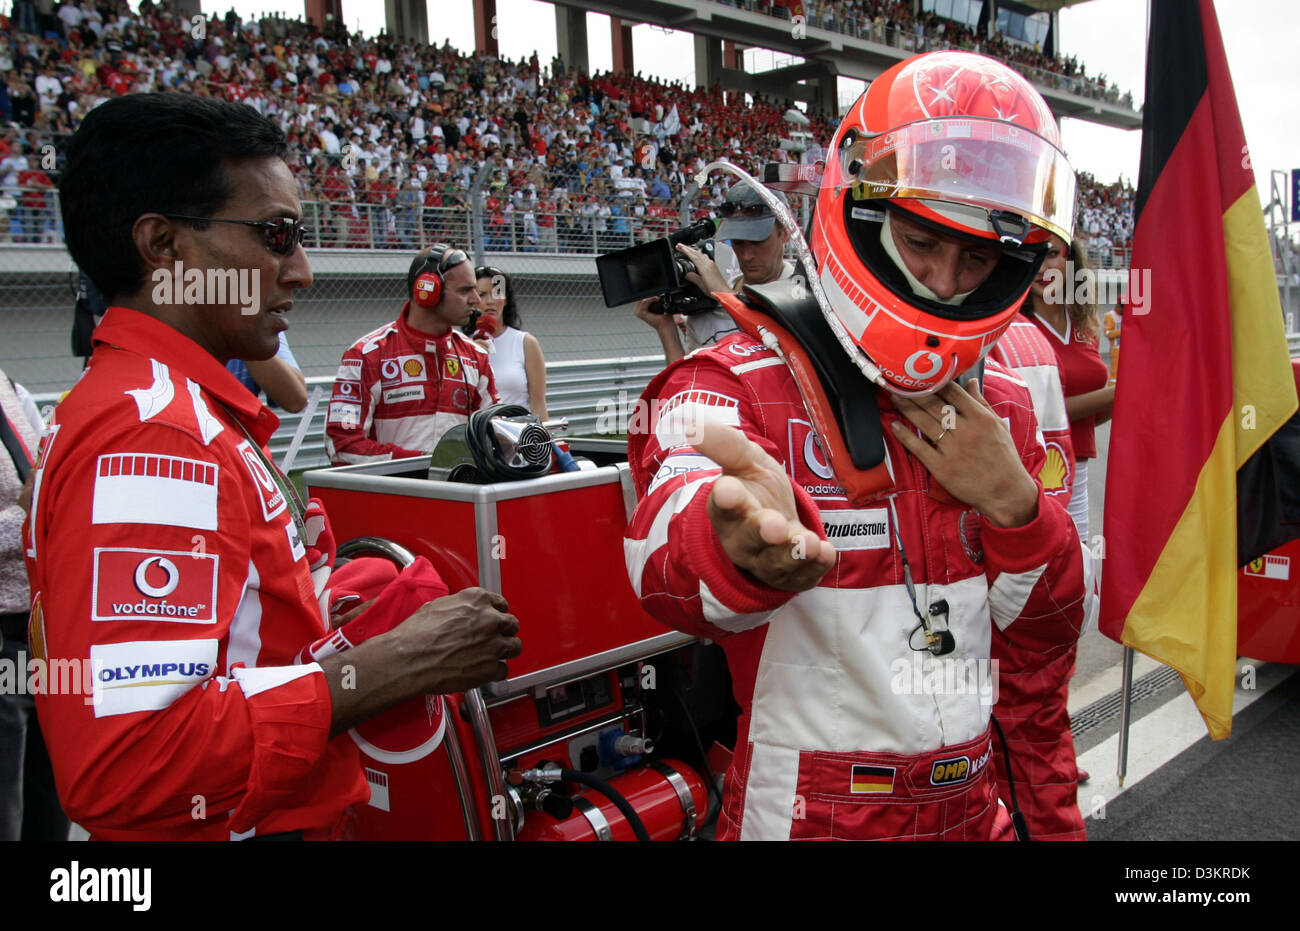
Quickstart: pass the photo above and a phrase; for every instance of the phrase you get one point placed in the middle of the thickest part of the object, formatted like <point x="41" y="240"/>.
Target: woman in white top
<point x="517" y="362"/>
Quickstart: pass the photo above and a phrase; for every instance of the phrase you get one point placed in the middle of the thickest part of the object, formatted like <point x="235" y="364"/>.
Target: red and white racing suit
<point x="1033" y="694"/>
<point x="846" y="731"/>
<point x="1023" y="349"/>
<point x="398" y="390"/>
<point x="171" y="595"/>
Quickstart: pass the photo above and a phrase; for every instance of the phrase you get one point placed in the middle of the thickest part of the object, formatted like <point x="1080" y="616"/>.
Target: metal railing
<point x="596" y="396"/>
<point x="1108" y="256"/>
<point x="352" y="225"/>
<point x="346" y="224"/>
<point x="30" y="214"/>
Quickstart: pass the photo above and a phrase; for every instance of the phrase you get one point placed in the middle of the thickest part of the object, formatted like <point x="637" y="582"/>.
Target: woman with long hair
<point x="1071" y="327"/>
<point x="517" y="361"/>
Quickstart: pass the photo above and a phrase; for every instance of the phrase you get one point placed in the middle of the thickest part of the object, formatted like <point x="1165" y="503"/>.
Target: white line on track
<point x="1159" y="736"/>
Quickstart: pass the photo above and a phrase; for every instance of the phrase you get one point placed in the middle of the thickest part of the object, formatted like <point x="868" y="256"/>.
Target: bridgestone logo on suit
<point x="857" y="530"/>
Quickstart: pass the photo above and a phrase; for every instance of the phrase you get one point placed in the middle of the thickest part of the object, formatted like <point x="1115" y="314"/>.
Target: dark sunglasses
<point x="728" y="209"/>
<point x="280" y="235"/>
<point x="450" y="259"/>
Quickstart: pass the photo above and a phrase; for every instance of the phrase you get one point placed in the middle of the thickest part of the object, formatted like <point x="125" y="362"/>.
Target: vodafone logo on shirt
<point x="347" y="391"/>
<point x="154" y="585"/>
<point x="273" y="502"/>
<point x="402" y="370"/>
<point x="808" y="463"/>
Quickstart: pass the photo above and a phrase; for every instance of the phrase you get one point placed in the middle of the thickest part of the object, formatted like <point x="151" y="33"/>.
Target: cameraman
<point x="759" y="243"/>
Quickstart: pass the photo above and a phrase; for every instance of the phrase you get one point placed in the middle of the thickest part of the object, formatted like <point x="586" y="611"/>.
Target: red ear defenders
<point x="427" y="290"/>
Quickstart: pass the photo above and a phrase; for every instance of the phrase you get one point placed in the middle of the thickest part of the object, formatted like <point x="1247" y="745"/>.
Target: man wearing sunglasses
<point x="175" y="577"/>
<point x="758" y="241"/>
<point x="402" y="386"/>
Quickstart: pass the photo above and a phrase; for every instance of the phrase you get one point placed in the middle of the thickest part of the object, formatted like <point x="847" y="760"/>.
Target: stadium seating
<point x="391" y="141"/>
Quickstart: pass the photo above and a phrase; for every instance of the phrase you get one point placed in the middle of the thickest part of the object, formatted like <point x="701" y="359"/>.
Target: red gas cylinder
<point x="669" y="796"/>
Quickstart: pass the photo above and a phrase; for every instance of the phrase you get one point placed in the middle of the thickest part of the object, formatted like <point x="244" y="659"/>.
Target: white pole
<point x="301" y="433"/>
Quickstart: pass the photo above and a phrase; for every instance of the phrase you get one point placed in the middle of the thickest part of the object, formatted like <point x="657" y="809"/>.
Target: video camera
<point x="657" y="269"/>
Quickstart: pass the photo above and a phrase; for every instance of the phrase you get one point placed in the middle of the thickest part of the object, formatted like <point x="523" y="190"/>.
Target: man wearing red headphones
<point x="401" y="387"/>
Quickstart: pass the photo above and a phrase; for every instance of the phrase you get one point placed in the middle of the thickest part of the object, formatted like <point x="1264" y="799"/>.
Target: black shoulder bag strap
<point x="17" y="449"/>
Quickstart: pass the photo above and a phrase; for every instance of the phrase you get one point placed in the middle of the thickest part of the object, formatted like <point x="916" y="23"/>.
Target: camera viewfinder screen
<point x="642" y="271"/>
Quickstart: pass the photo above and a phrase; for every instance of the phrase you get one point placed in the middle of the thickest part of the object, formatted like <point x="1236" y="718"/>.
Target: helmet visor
<point x="985" y="163"/>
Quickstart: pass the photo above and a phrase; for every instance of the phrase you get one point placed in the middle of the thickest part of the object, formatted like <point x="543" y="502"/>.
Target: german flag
<point x="872" y="780"/>
<point x="1207" y="378"/>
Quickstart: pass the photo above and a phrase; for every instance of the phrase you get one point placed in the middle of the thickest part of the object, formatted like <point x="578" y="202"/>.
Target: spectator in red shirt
<point x="36" y="210"/>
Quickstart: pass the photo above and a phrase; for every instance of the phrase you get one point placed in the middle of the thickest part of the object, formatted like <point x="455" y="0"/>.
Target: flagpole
<point x="1126" y="685"/>
<point x="1126" y="706"/>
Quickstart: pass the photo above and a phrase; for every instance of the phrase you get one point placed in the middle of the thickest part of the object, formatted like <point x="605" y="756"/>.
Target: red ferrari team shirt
<point x="171" y="592"/>
<point x="1081" y="371"/>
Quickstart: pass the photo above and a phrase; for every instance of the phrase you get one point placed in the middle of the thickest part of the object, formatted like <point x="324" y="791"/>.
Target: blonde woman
<point x="1071" y="328"/>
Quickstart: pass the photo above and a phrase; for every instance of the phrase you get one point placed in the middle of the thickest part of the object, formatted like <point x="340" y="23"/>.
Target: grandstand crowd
<point x="892" y="22"/>
<point x="390" y="140"/>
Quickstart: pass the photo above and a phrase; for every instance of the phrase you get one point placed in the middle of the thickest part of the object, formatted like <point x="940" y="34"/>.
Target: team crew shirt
<point x="1033" y="694"/>
<point x="1082" y="371"/>
<point x="1023" y="349"/>
<point x="398" y="390"/>
<point x="171" y="589"/>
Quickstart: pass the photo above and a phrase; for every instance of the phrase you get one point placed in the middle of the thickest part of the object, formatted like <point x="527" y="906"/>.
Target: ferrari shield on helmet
<point x="965" y="147"/>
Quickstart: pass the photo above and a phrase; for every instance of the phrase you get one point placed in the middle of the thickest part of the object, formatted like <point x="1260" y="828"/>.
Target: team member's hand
<point x="462" y="640"/>
<point x="449" y="645"/>
<point x="709" y="276"/>
<point x="661" y="322"/>
<point x="354" y="610"/>
<point x="974" y="457"/>
<point x="752" y="508"/>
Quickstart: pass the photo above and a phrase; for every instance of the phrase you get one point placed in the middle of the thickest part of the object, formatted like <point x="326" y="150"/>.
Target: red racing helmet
<point x="965" y="146"/>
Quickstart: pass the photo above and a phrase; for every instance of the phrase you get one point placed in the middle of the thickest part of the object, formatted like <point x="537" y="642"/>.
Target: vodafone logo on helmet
<point x="923" y="364"/>
<point x="157" y="591"/>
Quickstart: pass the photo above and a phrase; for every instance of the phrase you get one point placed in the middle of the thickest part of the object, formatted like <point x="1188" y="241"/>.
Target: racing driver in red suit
<point x="168" y="558"/>
<point x="857" y="624"/>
